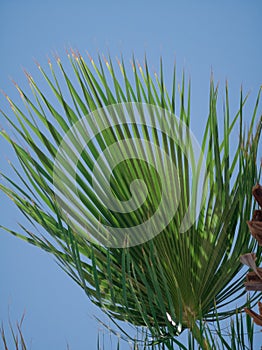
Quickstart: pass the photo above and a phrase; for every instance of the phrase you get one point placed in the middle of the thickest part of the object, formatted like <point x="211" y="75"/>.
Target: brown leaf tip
<point x="254" y="280"/>
<point x="255" y="228"/>
<point x="257" y="193"/>
<point x="257" y="318"/>
<point x="257" y="216"/>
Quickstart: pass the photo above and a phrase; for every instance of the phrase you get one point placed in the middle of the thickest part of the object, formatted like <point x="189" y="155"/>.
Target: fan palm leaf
<point x="174" y="276"/>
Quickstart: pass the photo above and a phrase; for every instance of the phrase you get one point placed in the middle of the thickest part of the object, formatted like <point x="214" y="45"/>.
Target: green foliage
<point x="238" y="335"/>
<point x="190" y="277"/>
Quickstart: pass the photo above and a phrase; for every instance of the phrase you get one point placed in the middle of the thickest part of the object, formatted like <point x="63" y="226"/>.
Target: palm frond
<point x="186" y="276"/>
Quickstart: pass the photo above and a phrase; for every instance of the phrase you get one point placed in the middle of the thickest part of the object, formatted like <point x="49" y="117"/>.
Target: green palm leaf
<point x="187" y="277"/>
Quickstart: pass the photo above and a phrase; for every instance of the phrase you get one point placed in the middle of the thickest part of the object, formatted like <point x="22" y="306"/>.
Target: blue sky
<point x="224" y="36"/>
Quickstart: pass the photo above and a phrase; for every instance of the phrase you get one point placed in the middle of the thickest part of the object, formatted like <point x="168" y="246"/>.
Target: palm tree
<point x="181" y="271"/>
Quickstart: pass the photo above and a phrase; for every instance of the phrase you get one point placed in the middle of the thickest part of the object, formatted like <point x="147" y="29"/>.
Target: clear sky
<point x="224" y="36"/>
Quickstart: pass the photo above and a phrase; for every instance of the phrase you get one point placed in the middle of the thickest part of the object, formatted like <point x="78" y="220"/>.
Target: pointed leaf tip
<point x="90" y="57"/>
<point x="58" y="59"/>
<point x="249" y="260"/>
<point x="37" y="64"/>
